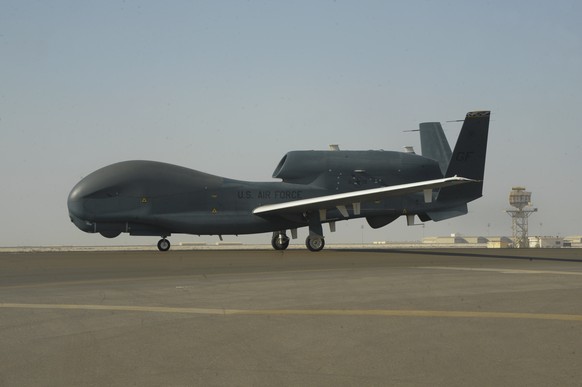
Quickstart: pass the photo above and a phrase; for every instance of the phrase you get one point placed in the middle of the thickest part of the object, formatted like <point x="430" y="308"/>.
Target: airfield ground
<point x="383" y="316"/>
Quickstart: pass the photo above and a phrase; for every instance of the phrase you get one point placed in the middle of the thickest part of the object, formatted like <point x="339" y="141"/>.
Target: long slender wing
<point x="357" y="197"/>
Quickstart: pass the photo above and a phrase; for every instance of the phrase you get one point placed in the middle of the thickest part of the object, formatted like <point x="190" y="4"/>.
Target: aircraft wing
<point x="355" y="198"/>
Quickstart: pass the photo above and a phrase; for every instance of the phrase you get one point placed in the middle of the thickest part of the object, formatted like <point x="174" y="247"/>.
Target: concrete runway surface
<point x="265" y="318"/>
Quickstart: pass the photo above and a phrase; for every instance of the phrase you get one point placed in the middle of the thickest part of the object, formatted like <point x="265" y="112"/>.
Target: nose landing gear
<point x="164" y="244"/>
<point x="280" y="241"/>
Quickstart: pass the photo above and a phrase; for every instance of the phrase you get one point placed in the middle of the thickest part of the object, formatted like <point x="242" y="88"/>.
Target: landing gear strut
<point x="164" y="244"/>
<point x="314" y="243"/>
<point x="280" y="241"/>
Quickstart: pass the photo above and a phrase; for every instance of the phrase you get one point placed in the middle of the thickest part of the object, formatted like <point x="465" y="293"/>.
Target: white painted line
<point x="303" y="312"/>
<point x="503" y="271"/>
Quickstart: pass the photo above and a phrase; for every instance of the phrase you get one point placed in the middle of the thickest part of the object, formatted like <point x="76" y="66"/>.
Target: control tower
<point x="521" y="200"/>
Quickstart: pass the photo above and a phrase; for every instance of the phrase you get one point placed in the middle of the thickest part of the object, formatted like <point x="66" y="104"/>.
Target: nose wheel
<point x="280" y="241"/>
<point x="164" y="244"/>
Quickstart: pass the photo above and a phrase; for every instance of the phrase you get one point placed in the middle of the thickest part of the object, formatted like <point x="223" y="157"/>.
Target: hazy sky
<point x="228" y="87"/>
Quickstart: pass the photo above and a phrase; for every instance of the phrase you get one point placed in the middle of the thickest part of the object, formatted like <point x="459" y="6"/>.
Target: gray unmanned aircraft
<point x="158" y="199"/>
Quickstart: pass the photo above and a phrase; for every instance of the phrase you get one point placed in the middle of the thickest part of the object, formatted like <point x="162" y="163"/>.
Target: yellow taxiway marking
<point x="503" y="271"/>
<point x="302" y="312"/>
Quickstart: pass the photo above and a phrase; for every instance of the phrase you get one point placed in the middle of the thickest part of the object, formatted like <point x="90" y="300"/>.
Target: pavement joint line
<point x="302" y="312"/>
<point x="194" y="276"/>
<point x="502" y="271"/>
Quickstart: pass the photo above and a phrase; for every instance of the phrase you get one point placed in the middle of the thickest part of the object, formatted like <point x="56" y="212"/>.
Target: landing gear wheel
<point x="280" y="243"/>
<point x="164" y="244"/>
<point x="314" y="244"/>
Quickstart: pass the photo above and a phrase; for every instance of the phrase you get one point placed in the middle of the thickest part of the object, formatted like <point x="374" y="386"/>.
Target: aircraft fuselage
<point x="153" y="198"/>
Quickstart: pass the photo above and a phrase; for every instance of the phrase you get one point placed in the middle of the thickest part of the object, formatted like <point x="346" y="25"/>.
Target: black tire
<point x="315" y="244"/>
<point x="279" y="246"/>
<point x="164" y="245"/>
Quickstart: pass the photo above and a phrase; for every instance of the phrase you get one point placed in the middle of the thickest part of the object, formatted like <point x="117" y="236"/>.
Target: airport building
<point x="573" y="241"/>
<point x="544" y="242"/>
<point x="468" y="241"/>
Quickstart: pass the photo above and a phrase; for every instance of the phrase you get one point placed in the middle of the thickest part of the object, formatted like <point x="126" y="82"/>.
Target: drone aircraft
<point x="150" y="198"/>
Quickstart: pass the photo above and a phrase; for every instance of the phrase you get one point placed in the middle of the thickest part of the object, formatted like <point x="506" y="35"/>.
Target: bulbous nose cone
<point x="106" y="195"/>
<point x="76" y="204"/>
<point x="110" y="199"/>
<point x="82" y="199"/>
<point x="75" y="199"/>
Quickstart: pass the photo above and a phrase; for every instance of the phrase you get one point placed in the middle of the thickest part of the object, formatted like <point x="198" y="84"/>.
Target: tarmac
<point x="234" y="317"/>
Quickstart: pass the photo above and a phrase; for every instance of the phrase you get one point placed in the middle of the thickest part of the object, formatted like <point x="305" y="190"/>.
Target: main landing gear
<point x="164" y="244"/>
<point x="280" y="241"/>
<point x="314" y="243"/>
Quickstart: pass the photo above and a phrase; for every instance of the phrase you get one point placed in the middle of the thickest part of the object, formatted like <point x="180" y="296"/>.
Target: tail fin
<point x="434" y="144"/>
<point x="468" y="159"/>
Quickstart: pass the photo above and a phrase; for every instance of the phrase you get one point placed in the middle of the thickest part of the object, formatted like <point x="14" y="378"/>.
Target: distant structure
<point x="521" y="200"/>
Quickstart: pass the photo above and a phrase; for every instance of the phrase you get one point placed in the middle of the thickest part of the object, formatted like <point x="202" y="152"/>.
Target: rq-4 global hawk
<point x="316" y="187"/>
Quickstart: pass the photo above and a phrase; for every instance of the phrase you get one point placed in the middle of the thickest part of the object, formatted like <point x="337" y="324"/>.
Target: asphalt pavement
<point x="456" y="317"/>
